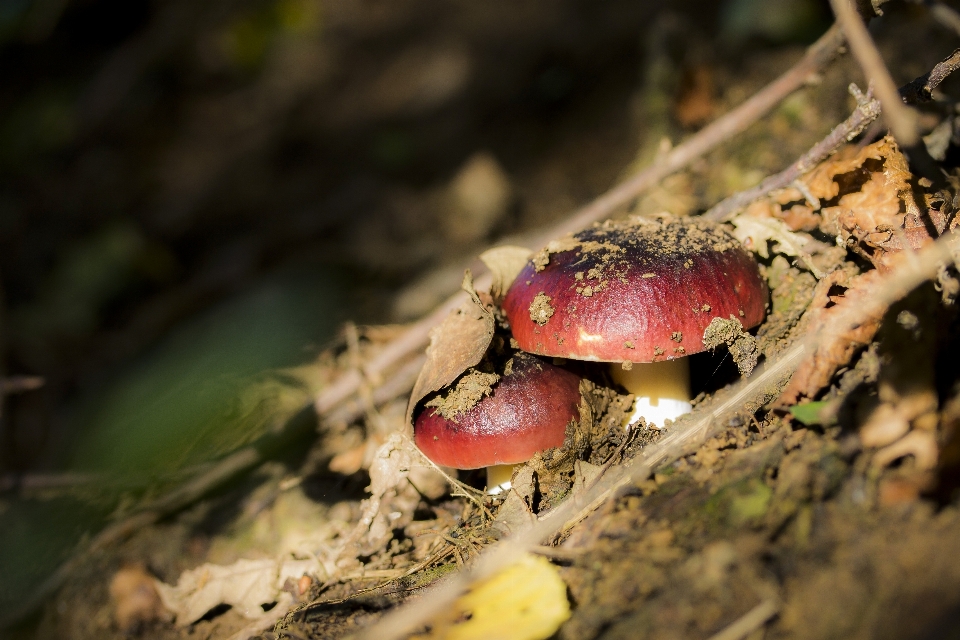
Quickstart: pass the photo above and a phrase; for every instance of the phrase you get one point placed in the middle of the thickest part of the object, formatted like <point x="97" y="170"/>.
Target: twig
<point x="44" y="481"/>
<point x="706" y="421"/>
<point x="749" y="622"/>
<point x="416" y="337"/>
<point x="901" y="119"/>
<point x="395" y="386"/>
<point x="19" y="384"/>
<point x="921" y="89"/>
<point x="867" y="111"/>
<point x="459" y="489"/>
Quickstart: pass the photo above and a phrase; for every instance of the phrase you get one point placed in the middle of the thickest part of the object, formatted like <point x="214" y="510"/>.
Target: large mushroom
<point x="638" y="293"/>
<point x="498" y="422"/>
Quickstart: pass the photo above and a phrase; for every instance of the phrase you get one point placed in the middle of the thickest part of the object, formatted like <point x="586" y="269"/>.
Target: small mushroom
<point x="527" y="411"/>
<point x="639" y="294"/>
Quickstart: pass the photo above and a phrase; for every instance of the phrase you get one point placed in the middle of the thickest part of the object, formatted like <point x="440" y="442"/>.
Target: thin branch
<point x="921" y="89"/>
<point x="177" y="499"/>
<point x="706" y="421"/>
<point x="19" y="384"/>
<point x="901" y="119"/>
<point x="750" y="621"/>
<point x="23" y="482"/>
<point x="867" y="111"/>
<point x="861" y="118"/>
<point x="822" y="52"/>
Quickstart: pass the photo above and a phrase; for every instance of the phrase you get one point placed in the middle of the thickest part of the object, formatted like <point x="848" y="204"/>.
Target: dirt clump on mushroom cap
<point x="465" y="394"/>
<point x="625" y="291"/>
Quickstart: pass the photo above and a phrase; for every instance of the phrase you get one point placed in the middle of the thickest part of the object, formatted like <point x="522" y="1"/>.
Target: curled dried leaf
<point x="755" y="233"/>
<point x="882" y="208"/>
<point x="246" y="585"/>
<point x="456" y="344"/>
<point x="504" y="263"/>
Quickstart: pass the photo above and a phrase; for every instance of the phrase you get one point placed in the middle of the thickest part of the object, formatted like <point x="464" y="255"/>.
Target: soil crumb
<point x="743" y="346"/>
<point x="540" y="309"/>
<point x="469" y="390"/>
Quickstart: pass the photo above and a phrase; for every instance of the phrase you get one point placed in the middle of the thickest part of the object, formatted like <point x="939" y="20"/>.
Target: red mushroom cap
<point x="635" y="290"/>
<point x="528" y="411"/>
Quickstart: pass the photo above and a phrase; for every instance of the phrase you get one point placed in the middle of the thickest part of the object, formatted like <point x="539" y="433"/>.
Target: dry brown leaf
<point x="392" y="498"/>
<point x="457" y="344"/>
<point x="815" y="373"/>
<point x="882" y="209"/>
<point x="821" y="183"/>
<point x="870" y="202"/>
<point x="504" y="263"/>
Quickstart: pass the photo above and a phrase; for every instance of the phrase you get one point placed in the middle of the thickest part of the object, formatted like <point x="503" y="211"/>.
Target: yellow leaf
<point x="525" y="601"/>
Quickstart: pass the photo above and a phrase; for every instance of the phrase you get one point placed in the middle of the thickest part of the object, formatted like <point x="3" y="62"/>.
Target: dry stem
<point x="749" y="622"/>
<point x="867" y="111"/>
<point x="901" y="119"/>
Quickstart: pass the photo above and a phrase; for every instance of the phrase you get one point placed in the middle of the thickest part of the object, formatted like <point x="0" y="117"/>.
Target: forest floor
<point x="822" y="506"/>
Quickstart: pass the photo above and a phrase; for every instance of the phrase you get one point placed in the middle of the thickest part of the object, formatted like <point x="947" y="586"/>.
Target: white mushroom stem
<point x="661" y="390"/>
<point x="498" y="478"/>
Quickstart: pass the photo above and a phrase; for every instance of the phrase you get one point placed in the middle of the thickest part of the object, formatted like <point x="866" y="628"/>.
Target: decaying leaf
<point x="816" y="371"/>
<point x="865" y="197"/>
<point x="525" y="601"/>
<point x="246" y="585"/>
<point x="505" y="263"/>
<point x="457" y="344"/>
<point x="392" y="498"/>
<point x="882" y="208"/>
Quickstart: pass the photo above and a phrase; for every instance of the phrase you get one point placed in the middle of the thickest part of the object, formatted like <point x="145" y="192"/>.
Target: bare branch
<point x="865" y="114"/>
<point x="867" y="111"/>
<point x="921" y="89"/>
<point x="750" y="621"/>
<point x="901" y="119"/>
